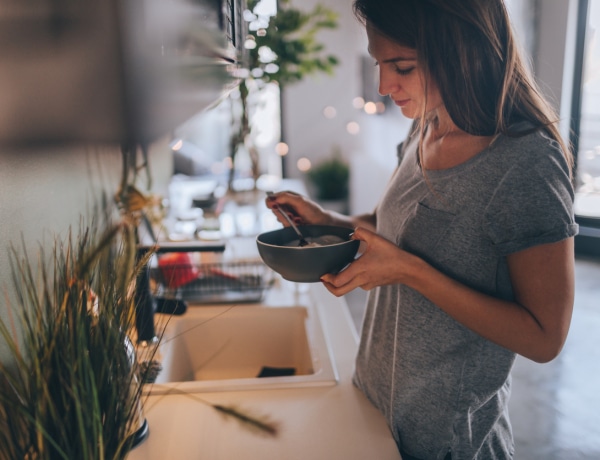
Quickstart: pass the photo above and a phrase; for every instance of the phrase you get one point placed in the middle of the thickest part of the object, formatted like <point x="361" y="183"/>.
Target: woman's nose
<point x="387" y="84"/>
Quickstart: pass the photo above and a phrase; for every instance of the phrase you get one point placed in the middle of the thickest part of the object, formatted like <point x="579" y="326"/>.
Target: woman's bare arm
<point x="535" y="325"/>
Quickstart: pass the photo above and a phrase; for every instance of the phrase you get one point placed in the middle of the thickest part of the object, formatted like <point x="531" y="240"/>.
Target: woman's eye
<point x="404" y="71"/>
<point x="400" y="71"/>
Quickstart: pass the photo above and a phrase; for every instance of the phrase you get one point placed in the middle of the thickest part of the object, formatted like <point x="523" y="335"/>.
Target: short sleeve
<point x="532" y="204"/>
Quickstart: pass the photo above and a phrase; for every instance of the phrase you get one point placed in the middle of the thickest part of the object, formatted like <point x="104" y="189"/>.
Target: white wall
<point x="46" y="191"/>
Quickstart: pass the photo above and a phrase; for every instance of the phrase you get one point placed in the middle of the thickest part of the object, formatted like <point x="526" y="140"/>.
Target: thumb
<point x="363" y="234"/>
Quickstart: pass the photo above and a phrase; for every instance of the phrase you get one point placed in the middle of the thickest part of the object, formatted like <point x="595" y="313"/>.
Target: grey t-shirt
<point x="441" y="386"/>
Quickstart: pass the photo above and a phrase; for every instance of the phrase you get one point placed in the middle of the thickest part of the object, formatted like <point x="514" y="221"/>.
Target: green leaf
<point x="292" y="36"/>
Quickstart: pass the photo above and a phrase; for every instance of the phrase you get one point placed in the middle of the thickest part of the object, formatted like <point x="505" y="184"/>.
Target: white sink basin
<point x="225" y="348"/>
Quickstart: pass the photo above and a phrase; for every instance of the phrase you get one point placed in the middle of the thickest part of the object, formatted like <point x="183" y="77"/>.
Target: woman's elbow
<point x="545" y="356"/>
<point x="548" y="348"/>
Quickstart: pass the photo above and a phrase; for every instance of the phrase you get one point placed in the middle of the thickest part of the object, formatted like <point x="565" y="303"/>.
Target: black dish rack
<point x="222" y="282"/>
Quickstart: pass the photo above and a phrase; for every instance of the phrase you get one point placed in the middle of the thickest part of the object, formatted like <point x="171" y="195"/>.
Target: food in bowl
<point x="324" y="240"/>
<point x="330" y="250"/>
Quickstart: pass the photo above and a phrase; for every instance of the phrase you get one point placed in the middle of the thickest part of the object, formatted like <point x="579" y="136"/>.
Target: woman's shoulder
<point x="531" y="148"/>
<point x="530" y="164"/>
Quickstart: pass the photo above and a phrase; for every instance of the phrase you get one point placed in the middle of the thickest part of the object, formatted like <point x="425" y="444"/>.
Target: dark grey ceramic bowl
<point x="279" y="250"/>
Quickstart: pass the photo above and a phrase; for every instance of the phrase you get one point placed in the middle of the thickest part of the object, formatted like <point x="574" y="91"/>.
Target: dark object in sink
<point x="268" y="371"/>
<point x="170" y="306"/>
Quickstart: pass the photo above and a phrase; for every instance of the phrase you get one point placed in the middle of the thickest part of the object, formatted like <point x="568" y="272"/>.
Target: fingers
<point x="361" y="233"/>
<point x="282" y="198"/>
<point x="345" y="281"/>
<point x="349" y="278"/>
<point x="285" y="200"/>
<point x="281" y="202"/>
<point x="338" y="292"/>
<point x="303" y="210"/>
<point x="279" y="210"/>
<point x="372" y="268"/>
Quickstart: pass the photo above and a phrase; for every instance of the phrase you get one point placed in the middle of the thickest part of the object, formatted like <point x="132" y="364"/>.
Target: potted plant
<point x="73" y="389"/>
<point x="330" y="181"/>
<point x="73" y="386"/>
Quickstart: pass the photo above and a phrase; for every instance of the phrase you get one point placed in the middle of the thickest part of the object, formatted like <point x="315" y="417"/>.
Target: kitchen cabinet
<point x="112" y="70"/>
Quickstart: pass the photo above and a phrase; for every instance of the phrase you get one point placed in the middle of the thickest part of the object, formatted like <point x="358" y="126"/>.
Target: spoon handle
<point x="303" y="241"/>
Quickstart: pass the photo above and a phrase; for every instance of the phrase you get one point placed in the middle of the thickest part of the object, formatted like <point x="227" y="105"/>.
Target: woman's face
<point x="400" y="76"/>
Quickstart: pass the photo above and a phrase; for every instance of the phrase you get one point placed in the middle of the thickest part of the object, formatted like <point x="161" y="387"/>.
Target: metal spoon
<point x="302" y="241"/>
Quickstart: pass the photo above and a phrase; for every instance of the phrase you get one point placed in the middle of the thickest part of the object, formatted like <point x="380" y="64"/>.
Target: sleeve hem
<point x="554" y="236"/>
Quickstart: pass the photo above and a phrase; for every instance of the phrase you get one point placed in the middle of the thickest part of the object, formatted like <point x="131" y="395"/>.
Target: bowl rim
<point x="304" y="248"/>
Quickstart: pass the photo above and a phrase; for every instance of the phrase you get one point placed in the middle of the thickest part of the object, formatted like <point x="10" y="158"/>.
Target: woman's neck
<point x="445" y="145"/>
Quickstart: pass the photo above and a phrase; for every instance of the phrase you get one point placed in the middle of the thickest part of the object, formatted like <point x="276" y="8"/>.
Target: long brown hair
<point x="468" y="48"/>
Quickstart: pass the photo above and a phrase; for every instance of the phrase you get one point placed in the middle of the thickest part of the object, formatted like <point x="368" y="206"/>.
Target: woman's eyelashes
<point x="401" y="71"/>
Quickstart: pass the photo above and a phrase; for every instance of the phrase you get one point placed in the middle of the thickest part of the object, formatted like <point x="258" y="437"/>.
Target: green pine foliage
<point x="292" y="37"/>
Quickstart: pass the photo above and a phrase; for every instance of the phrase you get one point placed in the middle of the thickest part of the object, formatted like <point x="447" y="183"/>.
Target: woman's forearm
<point x="535" y="325"/>
<point x="368" y="221"/>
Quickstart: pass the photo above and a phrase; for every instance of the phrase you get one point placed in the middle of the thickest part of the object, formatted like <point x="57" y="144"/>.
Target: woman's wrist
<point x="337" y="219"/>
<point x="416" y="272"/>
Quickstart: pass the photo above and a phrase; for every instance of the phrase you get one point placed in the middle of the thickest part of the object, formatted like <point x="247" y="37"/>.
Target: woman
<point x="469" y="255"/>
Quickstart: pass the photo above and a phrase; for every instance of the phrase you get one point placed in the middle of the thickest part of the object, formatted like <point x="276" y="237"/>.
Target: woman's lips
<point x="402" y="102"/>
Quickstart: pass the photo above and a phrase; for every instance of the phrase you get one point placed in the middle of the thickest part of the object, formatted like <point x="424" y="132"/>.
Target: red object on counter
<point x="177" y="269"/>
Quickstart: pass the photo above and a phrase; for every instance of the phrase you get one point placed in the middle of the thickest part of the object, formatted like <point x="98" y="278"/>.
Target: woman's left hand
<point x="381" y="263"/>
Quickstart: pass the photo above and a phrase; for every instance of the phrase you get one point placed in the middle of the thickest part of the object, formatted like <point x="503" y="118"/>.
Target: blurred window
<point x="587" y="97"/>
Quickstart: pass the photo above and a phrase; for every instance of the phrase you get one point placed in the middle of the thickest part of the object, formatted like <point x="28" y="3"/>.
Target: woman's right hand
<point x="381" y="263"/>
<point x="301" y="209"/>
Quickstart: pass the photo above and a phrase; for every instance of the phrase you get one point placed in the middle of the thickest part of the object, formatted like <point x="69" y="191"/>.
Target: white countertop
<point x="329" y="423"/>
